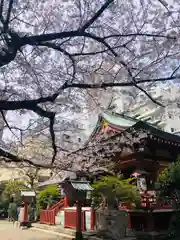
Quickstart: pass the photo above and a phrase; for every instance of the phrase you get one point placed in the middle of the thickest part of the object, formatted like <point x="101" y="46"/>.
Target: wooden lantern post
<point x="78" y="221"/>
<point x="77" y="190"/>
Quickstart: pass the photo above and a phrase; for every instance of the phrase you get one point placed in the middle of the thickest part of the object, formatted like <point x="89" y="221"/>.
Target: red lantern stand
<point x="27" y="198"/>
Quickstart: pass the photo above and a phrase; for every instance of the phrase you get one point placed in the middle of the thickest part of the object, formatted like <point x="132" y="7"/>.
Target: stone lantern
<point x="77" y="191"/>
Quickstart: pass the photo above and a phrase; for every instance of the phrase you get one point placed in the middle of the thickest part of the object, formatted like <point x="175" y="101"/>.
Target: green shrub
<point x="47" y="197"/>
<point x="169" y="187"/>
<point x="13" y="189"/>
<point x="169" y="179"/>
<point x="112" y="190"/>
<point x="4" y="204"/>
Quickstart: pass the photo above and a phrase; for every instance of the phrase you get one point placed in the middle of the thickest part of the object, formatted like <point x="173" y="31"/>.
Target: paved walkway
<point x="9" y="232"/>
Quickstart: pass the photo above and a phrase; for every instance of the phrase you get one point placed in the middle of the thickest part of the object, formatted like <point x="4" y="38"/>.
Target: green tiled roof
<point x="105" y="147"/>
<point x="82" y="186"/>
<point x="118" y="122"/>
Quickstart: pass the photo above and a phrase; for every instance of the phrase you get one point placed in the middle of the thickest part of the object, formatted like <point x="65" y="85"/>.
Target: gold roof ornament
<point x="104" y="124"/>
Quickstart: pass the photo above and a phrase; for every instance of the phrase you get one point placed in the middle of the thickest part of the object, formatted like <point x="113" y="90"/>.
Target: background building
<point x="134" y="103"/>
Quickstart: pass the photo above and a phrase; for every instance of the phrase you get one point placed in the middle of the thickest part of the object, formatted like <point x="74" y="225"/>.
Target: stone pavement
<point x="9" y="232"/>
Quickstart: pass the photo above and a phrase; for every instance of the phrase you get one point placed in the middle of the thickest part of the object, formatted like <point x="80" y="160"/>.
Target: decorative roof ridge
<point x="159" y="132"/>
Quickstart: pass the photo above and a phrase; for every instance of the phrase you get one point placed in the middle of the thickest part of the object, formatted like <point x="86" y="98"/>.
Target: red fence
<point x="70" y="218"/>
<point x="59" y="204"/>
<point x="48" y="216"/>
<point x="140" y="222"/>
<point x="145" y="205"/>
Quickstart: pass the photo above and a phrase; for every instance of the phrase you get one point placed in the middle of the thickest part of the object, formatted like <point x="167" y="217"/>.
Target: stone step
<point x="94" y="236"/>
<point x="67" y="234"/>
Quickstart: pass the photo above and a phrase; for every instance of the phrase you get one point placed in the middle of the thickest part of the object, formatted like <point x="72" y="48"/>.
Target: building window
<point x="172" y="129"/>
<point x="170" y="115"/>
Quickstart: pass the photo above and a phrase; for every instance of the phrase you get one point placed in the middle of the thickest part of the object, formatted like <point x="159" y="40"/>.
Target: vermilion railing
<point x="145" y="204"/>
<point x="48" y="216"/>
<point x="70" y="218"/>
<point x="149" y="201"/>
<point x="139" y="222"/>
<point x="57" y="205"/>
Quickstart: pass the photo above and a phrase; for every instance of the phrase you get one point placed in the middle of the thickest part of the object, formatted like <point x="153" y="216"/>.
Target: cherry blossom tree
<point x="48" y="50"/>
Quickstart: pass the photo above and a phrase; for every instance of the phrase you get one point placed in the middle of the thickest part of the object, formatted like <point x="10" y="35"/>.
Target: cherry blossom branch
<point x="9" y="157"/>
<point x="6" y="23"/>
<point x="32" y="104"/>
<point x="96" y="15"/>
<point x="15" y="43"/>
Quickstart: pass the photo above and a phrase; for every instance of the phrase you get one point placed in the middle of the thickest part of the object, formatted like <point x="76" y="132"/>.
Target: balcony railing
<point x="149" y="202"/>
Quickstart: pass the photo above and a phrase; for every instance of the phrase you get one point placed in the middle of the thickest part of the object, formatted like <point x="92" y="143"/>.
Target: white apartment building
<point x="167" y="117"/>
<point x="68" y="131"/>
<point x="134" y="103"/>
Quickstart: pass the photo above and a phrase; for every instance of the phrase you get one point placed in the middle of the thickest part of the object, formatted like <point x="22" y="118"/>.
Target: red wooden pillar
<point x="92" y="220"/>
<point x="65" y="202"/>
<point x="129" y="220"/>
<point x="25" y="215"/>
